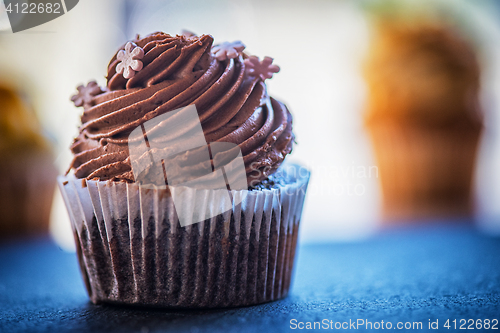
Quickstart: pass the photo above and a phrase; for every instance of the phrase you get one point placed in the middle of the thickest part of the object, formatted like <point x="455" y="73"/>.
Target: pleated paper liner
<point x="425" y="172"/>
<point x="133" y="250"/>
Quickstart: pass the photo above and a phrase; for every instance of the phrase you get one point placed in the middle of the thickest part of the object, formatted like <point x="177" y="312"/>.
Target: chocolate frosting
<point x="422" y="73"/>
<point x="233" y="106"/>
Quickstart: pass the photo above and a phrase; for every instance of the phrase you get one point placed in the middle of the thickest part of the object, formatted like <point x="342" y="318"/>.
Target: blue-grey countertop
<point x="407" y="276"/>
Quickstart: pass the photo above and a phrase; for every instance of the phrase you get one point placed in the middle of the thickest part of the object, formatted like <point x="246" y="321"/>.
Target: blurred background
<point x="322" y="47"/>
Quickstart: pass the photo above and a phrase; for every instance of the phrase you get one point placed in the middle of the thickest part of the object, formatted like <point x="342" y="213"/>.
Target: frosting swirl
<point x="177" y="71"/>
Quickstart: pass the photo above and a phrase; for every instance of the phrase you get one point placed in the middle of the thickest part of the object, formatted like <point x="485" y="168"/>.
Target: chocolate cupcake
<point x="152" y="222"/>
<point x="424" y="117"/>
<point x="27" y="170"/>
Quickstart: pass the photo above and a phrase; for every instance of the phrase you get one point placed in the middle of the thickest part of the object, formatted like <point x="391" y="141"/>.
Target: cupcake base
<point x="27" y="185"/>
<point x="425" y="172"/>
<point x="134" y="251"/>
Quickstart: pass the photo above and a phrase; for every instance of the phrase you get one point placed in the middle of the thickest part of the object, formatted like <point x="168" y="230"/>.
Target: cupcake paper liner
<point x="133" y="250"/>
<point x="27" y="185"/>
<point x="425" y="171"/>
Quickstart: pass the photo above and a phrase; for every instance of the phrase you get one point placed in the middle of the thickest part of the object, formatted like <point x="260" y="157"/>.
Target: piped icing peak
<point x="165" y="57"/>
<point x="177" y="71"/>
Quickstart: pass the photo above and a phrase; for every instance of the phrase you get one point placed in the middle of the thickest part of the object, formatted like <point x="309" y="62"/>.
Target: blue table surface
<point x="407" y="275"/>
